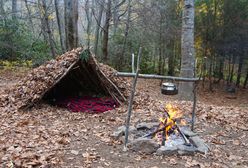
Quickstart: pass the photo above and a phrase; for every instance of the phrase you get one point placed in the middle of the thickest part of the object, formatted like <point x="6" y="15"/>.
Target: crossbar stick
<point x="153" y="76"/>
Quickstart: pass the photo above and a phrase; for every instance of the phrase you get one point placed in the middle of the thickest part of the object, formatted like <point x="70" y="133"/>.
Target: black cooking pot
<point x="169" y="89"/>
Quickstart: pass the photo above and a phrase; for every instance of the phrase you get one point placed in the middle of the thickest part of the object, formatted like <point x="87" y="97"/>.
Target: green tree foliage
<point x="17" y="43"/>
<point x="221" y="35"/>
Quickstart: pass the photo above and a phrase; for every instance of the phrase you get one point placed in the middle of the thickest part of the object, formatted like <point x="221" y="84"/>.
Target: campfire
<point x="169" y="135"/>
<point x="168" y="130"/>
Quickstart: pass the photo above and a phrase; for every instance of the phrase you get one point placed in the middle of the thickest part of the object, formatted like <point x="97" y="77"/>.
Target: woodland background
<point x="33" y="31"/>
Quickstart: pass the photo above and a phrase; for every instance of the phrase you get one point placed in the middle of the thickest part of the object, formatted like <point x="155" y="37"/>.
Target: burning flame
<point x="168" y="120"/>
<point x="173" y="111"/>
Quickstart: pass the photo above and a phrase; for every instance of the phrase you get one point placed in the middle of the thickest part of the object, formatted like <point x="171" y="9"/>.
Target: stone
<point x="186" y="150"/>
<point x="200" y="144"/>
<point x="167" y="150"/>
<point x="121" y="131"/>
<point x="187" y="132"/>
<point x="130" y="138"/>
<point x="143" y="145"/>
<point x="145" y="125"/>
<point x="74" y="152"/>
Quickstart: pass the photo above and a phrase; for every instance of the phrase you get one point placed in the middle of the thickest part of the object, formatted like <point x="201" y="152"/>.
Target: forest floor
<point x="47" y="136"/>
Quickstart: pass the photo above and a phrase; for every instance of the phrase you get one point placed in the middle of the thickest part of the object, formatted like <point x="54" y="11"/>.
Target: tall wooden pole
<point x="130" y="104"/>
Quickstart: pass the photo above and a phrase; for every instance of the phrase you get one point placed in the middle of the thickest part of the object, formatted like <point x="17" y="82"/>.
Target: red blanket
<point x="88" y="104"/>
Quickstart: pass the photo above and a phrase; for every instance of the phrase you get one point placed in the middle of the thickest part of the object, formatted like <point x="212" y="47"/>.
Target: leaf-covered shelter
<point x="74" y="73"/>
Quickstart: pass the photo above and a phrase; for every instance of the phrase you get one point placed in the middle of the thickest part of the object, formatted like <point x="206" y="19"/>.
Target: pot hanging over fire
<point x="169" y="89"/>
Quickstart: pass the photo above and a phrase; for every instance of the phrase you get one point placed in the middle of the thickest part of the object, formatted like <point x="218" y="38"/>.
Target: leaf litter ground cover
<point x="50" y="136"/>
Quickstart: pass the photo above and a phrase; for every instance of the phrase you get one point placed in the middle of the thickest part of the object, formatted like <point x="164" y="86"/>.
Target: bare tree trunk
<point x="239" y="70"/>
<point x="89" y="20"/>
<point x="246" y="79"/>
<point x="126" y="34"/>
<point x="117" y="5"/>
<point x="154" y="58"/>
<point x="42" y="22"/>
<point x="47" y="27"/>
<point x="2" y="11"/>
<point x="106" y="32"/>
<point x="61" y="37"/>
<point x="171" y="64"/>
<point x="204" y="68"/>
<point x="14" y="9"/>
<point x="163" y="64"/>
<point x="71" y="23"/>
<point x="232" y="71"/>
<point x="115" y="16"/>
<point x="75" y="22"/>
<point x="160" y="47"/>
<point x="98" y="21"/>
<point x="229" y="70"/>
<point x="210" y="74"/>
<point x="187" y="49"/>
<point x="221" y="66"/>
<point x="29" y="16"/>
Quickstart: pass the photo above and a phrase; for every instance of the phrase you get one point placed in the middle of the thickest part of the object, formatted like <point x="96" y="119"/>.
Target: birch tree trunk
<point x="61" y="37"/>
<point x="187" y="50"/>
<point x="71" y="23"/>
<point x="106" y="32"/>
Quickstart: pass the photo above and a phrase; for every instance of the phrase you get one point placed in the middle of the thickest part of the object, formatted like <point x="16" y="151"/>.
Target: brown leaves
<point x="37" y="82"/>
<point x="48" y="136"/>
<point x="90" y="156"/>
<point x="33" y="85"/>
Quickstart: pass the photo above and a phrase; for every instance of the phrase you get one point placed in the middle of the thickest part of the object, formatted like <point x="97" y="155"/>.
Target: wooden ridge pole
<point x="153" y="76"/>
<point x="130" y="104"/>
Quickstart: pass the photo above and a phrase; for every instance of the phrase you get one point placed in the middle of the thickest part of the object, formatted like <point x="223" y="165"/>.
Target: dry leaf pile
<point x="32" y="87"/>
<point x="123" y="84"/>
<point x="37" y="81"/>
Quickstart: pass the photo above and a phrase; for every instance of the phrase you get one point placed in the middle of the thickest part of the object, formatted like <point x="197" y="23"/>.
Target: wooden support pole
<point x="194" y="107"/>
<point x="133" y="70"/>
<point x="130" y="104"/>
<point x="153" y="76"/>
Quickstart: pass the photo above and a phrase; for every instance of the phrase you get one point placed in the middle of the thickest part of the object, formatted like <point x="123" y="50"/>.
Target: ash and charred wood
<point x="152" y="134"/>
<point x="153" y="76"/>
<point x="163" y="137"/>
